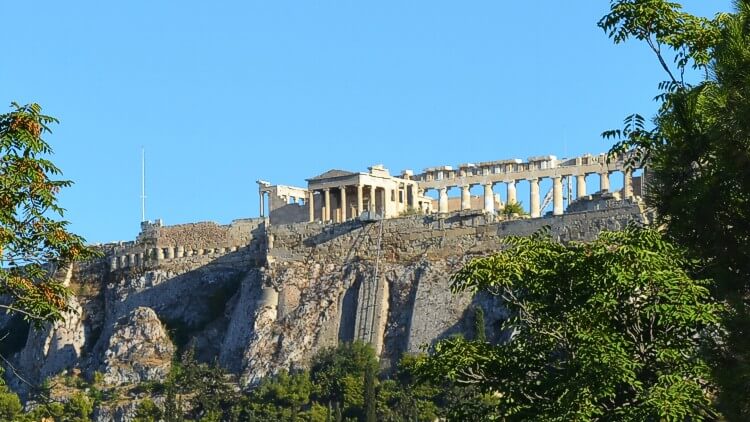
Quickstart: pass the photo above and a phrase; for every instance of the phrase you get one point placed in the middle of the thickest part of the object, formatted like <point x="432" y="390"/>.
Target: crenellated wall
<point x="194" y="243"/>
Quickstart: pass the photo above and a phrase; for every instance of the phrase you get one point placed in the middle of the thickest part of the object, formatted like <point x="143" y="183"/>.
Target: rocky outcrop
<point x="139" y="350"/>
<point x="388" y="283"/>
<point x="51" y="348"/>
<point x="119" y="412"/>
<point x="272" y="304"/>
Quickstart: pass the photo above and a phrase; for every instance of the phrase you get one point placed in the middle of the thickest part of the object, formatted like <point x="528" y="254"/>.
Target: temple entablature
<point x="534" y="170"/>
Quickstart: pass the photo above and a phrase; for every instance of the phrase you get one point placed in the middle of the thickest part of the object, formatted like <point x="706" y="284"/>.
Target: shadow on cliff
<point x="493" y="314"/>
<point x="192" y="304"/>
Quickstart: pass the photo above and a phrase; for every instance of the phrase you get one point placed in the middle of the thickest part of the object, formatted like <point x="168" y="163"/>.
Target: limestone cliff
<point x="258" y="298"/>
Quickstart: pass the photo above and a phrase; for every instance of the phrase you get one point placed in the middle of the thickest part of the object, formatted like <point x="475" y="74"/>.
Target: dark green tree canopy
<point x="609" y="329"/>
<point x="698" y="155"/>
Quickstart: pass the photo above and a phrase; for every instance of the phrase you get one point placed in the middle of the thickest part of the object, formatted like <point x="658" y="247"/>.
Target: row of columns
<point x="534" y="199"/>
<point x="327" y="215"/>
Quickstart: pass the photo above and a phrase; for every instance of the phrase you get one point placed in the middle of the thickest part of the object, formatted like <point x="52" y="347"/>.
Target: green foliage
<point x="512" y="208"/>
<point x="339" y="374"/>
<point x="281" y="397"/>
<point x="698" y="151"/>
<point x="610" y="329"/>
<point x="663" y="25"/>
<point x="29" y="235"/>
<point x="78" y="408"/>
<point x="148" y="411"/>
<point x="10" y="404"/>
<point x="370" y="395"/>
<point x="479" y="329"/>
<point x="406" y="398"/>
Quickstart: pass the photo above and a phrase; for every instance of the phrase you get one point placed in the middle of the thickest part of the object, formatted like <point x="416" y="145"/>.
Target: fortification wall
<point x="193" y="244"/>
<point x="328" y="292"/>
<point x="201" y="235"/>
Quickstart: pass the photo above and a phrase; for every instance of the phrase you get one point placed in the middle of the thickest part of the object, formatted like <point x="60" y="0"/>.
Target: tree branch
<point x="657" y="51"/>
<point x="21" y="311"/>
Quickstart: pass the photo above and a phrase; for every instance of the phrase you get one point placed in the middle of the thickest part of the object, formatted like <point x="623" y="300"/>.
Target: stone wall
<point x="202" y="235"/>
<point x="192" y="244"/>
<point x="328" y="292"/>
<point x="263" y="298"/>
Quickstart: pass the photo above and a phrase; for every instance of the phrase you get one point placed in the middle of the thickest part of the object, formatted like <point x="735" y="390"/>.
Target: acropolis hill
<point x="363" y="256"/>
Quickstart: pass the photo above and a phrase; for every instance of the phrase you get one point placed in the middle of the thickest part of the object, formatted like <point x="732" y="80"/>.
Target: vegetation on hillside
<point x="641" y="324"/>
<point x="608" y="329"/>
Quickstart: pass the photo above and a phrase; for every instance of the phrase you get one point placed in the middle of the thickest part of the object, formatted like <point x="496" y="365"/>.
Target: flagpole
<point x="143" y="184"/>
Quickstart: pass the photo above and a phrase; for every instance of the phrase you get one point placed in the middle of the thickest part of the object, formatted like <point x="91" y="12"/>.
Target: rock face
<point x="139" y="350"/>
<point x="290" y="290"/>
<point x="54" y="347"/>
<point x="121" y="413"/>
<point x="387" y="283"/>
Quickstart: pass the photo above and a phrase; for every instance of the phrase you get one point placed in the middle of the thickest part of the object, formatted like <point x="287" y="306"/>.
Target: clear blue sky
<point x="224" y="93"/>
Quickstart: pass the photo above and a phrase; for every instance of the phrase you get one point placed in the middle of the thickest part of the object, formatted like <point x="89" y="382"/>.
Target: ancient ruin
<point x="354" y="256"/>
<point x="337" y="195"/>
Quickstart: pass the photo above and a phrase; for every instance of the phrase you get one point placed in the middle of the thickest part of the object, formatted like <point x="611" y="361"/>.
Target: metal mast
<point x="143" y="184"/>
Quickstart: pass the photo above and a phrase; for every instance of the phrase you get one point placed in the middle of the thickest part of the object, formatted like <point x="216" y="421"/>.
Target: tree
<point x="281" y="397"/>
<point x="698" y="154"/>
<point x="479" y="329"/>
<point x="10" y="404"/>
<point x="604" y="330"/>
<point x="339" y="374"/>
<point x="513" y="208"/>
<point x="30" y="237"/>
<point x="370" y="394"/>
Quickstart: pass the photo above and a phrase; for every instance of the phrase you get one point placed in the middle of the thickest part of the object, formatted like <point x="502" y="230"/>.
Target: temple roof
<point x="331" y="174"/>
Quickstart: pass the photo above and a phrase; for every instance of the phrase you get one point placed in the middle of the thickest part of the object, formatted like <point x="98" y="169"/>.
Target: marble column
<point x="360" y="200"/>
<point x="343" y="203"/>
<point x="534" y="198"/>
<point x="311" y="205"/>
<point x="604" y="181"/>
<point x="580" y="186"/>
<point x="372" y="208"/>
<point x="384" y="202"/>
<point x="327" y="205"/>
<point x="489" y="199"/>
<point x="512" y="192"/>
<point x="442" y="200"/>
<point x="262" y="204"/>
<point x="627" y="184"/>
<point x="557" y="195"/>
<point x="465" y="198"/>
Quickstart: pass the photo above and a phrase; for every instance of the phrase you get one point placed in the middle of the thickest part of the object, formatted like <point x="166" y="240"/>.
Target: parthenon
<point x="338" y="195"/>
